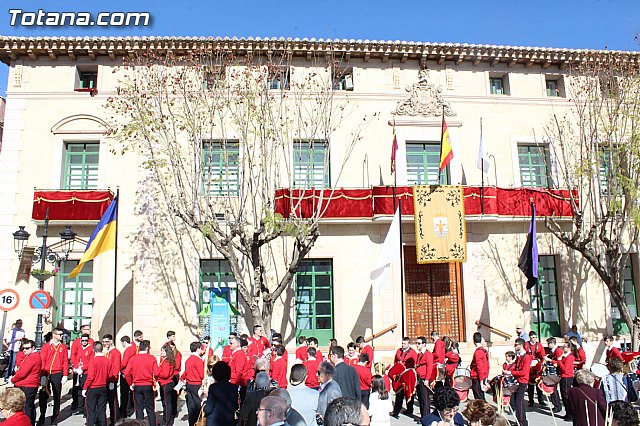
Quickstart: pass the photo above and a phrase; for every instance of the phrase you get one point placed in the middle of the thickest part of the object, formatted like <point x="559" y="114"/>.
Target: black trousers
<point x="530" y="394"/>
<point x="112" y="402"/>
<point x="55" y="381"/>
<point x="176" y="379"/>
<point x="397" y="405"/>
<point x="555" y="398"/>
<point x="166" y="395"/>
<point x="423" y="397"/>
<point x="193" y="402"/>
<point x="517" y="404"/>
<point x="96" y="406"/>
<point x="476" y="387"/>
<point x="565" y="385"/>
<point x="30" y="403"/>
<point x="126" y="399"/>
<point x="75" y="391"/>
<point x="145" y="400"/>
<point x="364" y="397"/>
<point x="78" y="391"/>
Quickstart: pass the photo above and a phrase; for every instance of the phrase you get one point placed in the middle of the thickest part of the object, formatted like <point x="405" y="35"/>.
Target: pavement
<point x="536" y="416"/>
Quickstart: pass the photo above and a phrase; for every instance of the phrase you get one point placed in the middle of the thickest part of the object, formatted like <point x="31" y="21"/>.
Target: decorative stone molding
<point x="424" y="99"/>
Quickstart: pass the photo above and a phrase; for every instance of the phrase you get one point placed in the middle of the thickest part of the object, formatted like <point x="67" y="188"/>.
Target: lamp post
<point x="46" y="254"/>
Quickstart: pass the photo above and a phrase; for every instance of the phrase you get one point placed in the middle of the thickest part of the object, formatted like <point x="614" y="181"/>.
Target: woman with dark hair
<point x="624" y="414"/>
<point x="379" y="402"/>
<point x="166" y="371"/>
<point x="446" y="401"/>
<point x="222" y="399"/>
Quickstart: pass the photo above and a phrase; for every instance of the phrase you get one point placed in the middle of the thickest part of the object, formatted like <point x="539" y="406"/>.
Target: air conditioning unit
<point x="348" y="82"/>
<point x="498" y="91"/>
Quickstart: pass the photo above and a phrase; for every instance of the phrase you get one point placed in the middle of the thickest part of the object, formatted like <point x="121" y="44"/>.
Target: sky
<point x="592" y="24"/>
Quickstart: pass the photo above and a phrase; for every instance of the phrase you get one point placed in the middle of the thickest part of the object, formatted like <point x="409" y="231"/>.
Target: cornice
<point x="13" y="48"/>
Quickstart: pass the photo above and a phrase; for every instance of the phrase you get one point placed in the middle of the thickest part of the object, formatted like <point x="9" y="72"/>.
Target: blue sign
<point x="219" y="319"/>
<point x="40" y="300"/>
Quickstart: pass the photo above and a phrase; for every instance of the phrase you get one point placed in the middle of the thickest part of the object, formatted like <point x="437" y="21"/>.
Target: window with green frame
<point x="216" y="273"/>
<point x="534" y="165"/>
<point x="221" y="167"/>
<point x="546" y="294"/>
<point x="74" y="296"/>
<point x="311" y="164"/>
<point x="423" y="164"/>
<point x="80" y="165"/>
<point x="314" y="299"/>
<point x="629" y="293"/>
<point x="608" y="164"/>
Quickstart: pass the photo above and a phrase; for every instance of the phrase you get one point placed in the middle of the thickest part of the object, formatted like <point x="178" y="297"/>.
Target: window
<point x="74" y="297"/>
<point x="311" y="164"/>
<point x="279" y="78"/>
<point x="214" y="76"/>
<point x="86" y="79"/>
<point x="423" y="164"/>
<point x="629" y="294"/>
<point x="534" y="166"/>
<point x="554" y="86"/>
<point x="545" y="294"/>
<point x="342" y="79"/>
<point x="499" y="85"/>
<point x="314" y="299"/>
<point x="609" y="163"/>
<point x="609" y="86"/>
<point x="216" y="274"/>
<point x="220" y="168"/>
<point x="81" y="165"/>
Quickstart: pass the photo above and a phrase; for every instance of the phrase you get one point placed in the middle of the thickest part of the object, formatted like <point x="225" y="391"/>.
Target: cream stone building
<point x="56" y="141"/>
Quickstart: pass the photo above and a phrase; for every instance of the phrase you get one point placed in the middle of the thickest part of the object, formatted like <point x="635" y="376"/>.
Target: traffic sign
<point x="40" y="299"/>
<point x="9" y="299"/>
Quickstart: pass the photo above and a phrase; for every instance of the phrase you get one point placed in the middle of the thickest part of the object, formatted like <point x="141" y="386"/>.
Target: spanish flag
<point x="102" y="239"/>
<point x="446" y="153"/>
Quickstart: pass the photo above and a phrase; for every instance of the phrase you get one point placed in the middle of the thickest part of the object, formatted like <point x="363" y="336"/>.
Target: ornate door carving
<point x="433" y="297"/>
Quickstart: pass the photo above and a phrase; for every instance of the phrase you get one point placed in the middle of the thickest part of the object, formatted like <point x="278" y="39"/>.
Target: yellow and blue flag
<point x="103" y="237"/>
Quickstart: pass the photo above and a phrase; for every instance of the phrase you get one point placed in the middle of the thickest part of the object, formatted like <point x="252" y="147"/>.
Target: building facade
<point x="56" y="140"/>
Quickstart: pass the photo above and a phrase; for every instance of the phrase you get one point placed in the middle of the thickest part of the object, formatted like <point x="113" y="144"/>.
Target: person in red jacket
<point x="612" y="351"/>
<point x="226" y="351"/>
<point x="176" y="377"/>
<point x="520" y="371"/>
<point x="578" y="353"/>
<point x="365" y="377"/>
<point x="424" y="366"/>
<point x="566" y="366"/>
<point x="115" y="358"/>
<point x="141" y="372"/>
<point x="77" y="403"/>
<point x="193" y="376"/>
<point x="364" y="349"/>
<point x="237" y="363"/>
<point x="537" y="353"/>
<point x="98" y="373"/>
<point x="258" y="344"/>
<point x="12" y="404"/>
<point x="555" y="353"/>
<point x="451" y="359"/>
<point x="311" y="365"/>
<point x="55" y="369"/>
<point x="352" y="356"/>
<point x="479" y="367"/>
<point x="438" y="352"/>
<point x="312" y="342"/>
<point x="166" y="373"/>
<point x="27" y="377"/>
<point x="20" y="356"/>
<point x="126" y="396"/>
<point x="406" y="356"/>
<point x="279" y="366"/>
<point x="301" y="350"/>
<point x="84" y="355"/>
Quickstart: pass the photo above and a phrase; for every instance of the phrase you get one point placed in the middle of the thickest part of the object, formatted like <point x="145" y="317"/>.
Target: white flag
<point x="483" y="159"/>
<point x="390" y="254"/>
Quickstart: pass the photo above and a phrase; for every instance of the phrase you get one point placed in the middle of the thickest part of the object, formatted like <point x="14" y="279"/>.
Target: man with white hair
<point x="272" y="411"/>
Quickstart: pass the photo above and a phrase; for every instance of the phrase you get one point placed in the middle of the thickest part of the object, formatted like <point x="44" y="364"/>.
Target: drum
<point x="394" y="374"/>
<point x="548" y="389"/>
<point x="550" y="375"/>
<point x="462" y="379"/>
<point x="404" y="379"/>
<point x="600" y="370"/>
<point x="509" y="385"/>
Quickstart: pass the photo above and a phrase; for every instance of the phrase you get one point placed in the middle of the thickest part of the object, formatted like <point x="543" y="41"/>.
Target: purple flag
<point x="528" y="262"/>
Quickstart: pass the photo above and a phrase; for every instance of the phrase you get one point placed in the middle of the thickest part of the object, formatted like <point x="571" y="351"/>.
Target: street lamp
<point x="44" y="254"/>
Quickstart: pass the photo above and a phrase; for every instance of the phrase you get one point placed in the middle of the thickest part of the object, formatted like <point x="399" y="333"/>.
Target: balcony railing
<point x="70" y="205"/>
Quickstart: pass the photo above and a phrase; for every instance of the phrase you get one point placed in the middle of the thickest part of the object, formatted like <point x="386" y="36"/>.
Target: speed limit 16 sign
<point x="8" y="299"/>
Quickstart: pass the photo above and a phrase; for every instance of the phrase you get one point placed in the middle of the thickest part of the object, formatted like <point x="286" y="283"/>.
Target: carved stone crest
<point x="424" y="99"/>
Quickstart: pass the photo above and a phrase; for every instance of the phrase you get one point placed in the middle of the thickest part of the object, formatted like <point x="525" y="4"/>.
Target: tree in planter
<point x="216" y="133"/>
<point x="597" y="144"/>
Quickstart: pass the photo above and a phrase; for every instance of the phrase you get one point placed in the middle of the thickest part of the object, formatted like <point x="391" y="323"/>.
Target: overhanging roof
<point x="13" y="48"/>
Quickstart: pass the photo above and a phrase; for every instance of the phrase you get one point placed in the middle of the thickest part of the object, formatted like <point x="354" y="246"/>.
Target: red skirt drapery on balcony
<point x="71" y="205"/>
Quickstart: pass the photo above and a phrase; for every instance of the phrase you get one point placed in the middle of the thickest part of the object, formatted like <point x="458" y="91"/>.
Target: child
<point x="379" y="403"/>
<point x="352" y="356"/>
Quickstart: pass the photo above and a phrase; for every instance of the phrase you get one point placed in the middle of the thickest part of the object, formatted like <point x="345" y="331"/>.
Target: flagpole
<point x="482" y="168"/>
<point x="441" y="143"/>
<point x="539" y="301"/>
<point x="115" y="269"/>
<point x="401" y="265"/>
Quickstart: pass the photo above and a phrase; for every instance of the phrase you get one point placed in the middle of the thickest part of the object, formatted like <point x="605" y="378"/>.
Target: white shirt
<point x="13" y="338"/>
<point x="379" y="410"/>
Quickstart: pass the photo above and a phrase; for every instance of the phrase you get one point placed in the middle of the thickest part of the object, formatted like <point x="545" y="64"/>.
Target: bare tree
<point x="597" y="145"/>
<point x="218" y="132"/>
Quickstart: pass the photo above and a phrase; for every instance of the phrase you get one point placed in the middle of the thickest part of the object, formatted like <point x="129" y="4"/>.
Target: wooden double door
<point x="433" y="298"/>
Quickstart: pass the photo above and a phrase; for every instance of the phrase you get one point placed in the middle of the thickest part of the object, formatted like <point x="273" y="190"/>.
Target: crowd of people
<point x="251" y="382"/>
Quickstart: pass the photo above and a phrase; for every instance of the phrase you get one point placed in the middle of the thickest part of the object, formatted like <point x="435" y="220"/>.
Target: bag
<point x="632" y="393"/>
<point x="202" y="419"/>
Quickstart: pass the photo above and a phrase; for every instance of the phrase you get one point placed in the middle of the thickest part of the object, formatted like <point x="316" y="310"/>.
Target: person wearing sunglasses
<point x="27" y="377"/>
<point x="55" y="369"/>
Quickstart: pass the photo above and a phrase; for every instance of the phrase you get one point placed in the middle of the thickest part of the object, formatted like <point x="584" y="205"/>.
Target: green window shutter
<point x="314" y="299"/>
<point x="81" y="162"/>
